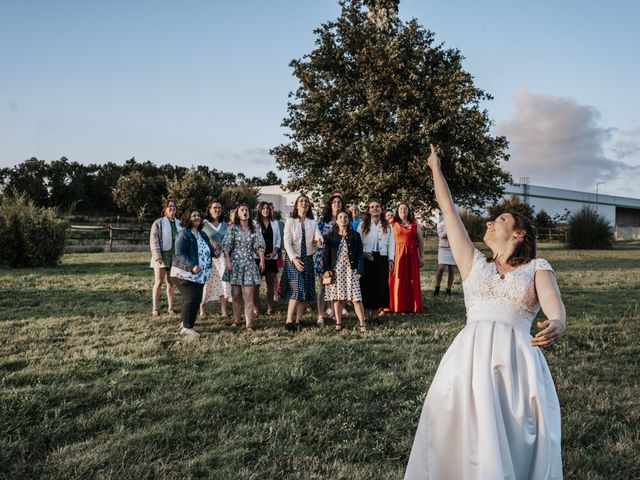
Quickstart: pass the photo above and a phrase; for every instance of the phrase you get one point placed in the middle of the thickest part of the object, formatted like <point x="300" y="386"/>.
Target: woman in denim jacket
<point x="343" y="265"/>
<point x="191" y="267"/>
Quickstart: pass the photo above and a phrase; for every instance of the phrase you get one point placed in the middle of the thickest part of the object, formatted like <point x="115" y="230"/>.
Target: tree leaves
<point x="370" y="101"/>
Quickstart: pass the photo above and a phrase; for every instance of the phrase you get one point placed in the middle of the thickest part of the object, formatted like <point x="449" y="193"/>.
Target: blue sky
<point x="206" y="82"/>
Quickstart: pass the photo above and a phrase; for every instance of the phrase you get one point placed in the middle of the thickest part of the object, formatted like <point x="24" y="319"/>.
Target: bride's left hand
<point x="550" y="333"/>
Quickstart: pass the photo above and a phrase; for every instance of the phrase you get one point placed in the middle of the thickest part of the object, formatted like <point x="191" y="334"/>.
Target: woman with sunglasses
<point x="162" y="242"/>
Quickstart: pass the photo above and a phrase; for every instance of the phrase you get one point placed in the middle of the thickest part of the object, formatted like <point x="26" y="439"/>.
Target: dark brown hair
<point x="294" y="212"/>
<point x="208" y="214"/>
<point x="166" y="204"/>
<point x="327" y="211"/>
<point x="366" y="221"/>
<point x="236" y="220"/>
<point x="526" y="250"/>
<point x="410" y="217"/>
<point x="336" y="229"/>
<point x="185" y="219"/>
<point x="261" y="205"/>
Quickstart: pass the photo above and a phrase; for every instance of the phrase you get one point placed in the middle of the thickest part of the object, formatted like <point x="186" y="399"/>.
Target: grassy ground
<point x="93" y="387"/>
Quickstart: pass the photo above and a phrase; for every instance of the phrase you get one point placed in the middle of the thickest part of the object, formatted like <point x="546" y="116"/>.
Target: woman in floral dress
<point x="343" y="264"/>
<point x="191" y="267"/>
<point x="215" y="289"/>
<point x="239" y="245"/>
<point x="325" y="224"/>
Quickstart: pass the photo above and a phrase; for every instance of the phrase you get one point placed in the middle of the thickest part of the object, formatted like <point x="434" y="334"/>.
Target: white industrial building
<point x="623" y="213"/>
<point x="281" y="199"/>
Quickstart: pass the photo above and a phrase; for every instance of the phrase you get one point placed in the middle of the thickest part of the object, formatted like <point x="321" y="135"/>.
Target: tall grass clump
<point x="30" y="236"/>
<point x="589" y="231"/>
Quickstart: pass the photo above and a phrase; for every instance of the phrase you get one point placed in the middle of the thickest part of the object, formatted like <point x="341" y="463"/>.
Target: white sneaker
<point x="190" y="332"/>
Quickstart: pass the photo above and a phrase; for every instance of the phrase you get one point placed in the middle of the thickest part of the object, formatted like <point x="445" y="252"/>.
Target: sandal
<point x="248" y="330"/>
<point x="289" y="326"/>
<point x="235" y="325"/>
<point x="363" y="328"/>
<point x="171" y="312"/>
<point x="338" y="327"/>
<point x="320" y="321"/>
<point x="155" y="313"/>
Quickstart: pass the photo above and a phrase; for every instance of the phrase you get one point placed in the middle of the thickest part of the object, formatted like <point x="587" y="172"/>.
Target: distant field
<point x="93" y="387"/>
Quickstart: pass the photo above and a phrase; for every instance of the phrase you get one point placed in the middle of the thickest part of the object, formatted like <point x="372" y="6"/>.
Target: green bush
<point x="30" y="236"/>
<point x="512" y="203"/>
<point x="543" y="221"/>
<point x="475" y="225"/>
<point x="589" y="231"/>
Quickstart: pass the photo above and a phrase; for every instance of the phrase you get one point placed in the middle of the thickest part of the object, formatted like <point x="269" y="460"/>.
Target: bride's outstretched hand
<point x="433" y="160"/>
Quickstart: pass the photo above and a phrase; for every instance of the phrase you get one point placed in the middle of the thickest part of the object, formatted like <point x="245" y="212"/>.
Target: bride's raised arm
<point x="461" y="245"/>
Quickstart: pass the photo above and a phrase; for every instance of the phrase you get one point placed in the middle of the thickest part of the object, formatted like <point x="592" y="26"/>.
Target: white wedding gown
<point x="492" y="411"/>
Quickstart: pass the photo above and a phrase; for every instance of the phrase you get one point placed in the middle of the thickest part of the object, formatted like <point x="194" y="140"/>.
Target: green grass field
<point x="93" y="387"/>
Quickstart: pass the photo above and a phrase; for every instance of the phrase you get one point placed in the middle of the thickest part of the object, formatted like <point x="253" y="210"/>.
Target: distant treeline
<point x="132" y="188"/>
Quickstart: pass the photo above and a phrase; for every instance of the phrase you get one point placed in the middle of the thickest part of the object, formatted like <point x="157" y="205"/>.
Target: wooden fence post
<point x="110" y="238"/>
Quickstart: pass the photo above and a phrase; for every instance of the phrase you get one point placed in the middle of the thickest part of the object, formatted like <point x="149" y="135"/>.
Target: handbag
<point x="328" y="278"/>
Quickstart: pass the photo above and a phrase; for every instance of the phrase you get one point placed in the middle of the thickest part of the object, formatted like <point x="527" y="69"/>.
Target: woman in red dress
<point x="404" y="281"/>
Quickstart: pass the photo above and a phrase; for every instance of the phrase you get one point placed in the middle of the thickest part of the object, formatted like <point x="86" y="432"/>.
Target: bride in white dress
<point x="492" y="411"/>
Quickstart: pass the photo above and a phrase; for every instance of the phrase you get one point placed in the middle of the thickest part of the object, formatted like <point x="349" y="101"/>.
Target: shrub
<point x="30" y="236"/>
<point x="475" y="225"/>
<point x="589" y="231"/>
<point x="544" y="224"/>
<point x="512" y="203"/>
<point x="543" y="221"/>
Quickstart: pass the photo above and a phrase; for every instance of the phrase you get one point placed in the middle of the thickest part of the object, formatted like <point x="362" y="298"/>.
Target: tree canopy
<point x="134" y="187"/>
<point x="372" y="95"/>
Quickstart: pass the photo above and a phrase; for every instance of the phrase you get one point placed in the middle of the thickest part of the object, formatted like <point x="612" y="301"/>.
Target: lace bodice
<point x="486" y="293"/>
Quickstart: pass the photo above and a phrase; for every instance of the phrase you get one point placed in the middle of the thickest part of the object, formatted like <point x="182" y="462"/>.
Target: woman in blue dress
<point x="301" y="236"/>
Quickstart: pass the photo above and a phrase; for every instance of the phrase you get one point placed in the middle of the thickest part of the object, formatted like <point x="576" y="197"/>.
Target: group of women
<point x="491" y="410"/>
<point x="371" y="262"/>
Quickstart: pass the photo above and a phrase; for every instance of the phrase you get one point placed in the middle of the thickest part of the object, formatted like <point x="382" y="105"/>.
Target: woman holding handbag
<point x="343" y="266"/>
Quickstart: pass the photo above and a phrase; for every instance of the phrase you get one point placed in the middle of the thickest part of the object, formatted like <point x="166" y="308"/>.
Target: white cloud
<point x="250" y="161"/>
<point x="559" y="143"/>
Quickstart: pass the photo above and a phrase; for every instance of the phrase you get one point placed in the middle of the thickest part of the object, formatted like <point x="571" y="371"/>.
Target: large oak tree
<point x="373" y="94"/>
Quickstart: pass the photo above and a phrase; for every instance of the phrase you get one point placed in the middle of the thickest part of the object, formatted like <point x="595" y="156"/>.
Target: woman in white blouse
<point x="379" y="252"/>
<point x="301" y="235"/>
<point x="271" y="233"/>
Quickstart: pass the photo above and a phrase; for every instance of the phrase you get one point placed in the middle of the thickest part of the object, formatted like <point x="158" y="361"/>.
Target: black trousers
<point x="191" y="298"/>
<point x="374" y="284"/>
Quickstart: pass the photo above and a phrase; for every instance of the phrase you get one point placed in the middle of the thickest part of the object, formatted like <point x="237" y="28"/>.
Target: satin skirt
<point x="491" y="412"/>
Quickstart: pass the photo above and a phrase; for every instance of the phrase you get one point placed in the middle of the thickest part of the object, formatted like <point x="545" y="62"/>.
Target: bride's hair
<point x="526" y="250"/>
